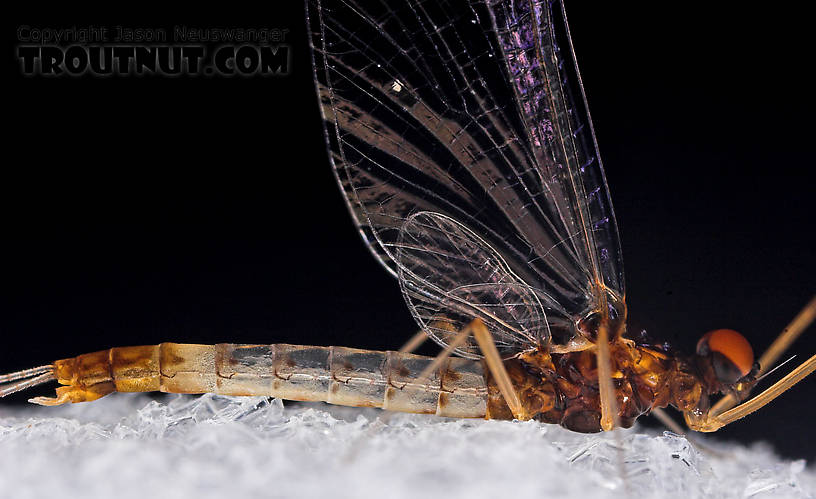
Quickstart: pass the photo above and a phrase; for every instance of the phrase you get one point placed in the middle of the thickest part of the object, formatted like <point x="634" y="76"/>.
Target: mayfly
<point x="460" y="135"/>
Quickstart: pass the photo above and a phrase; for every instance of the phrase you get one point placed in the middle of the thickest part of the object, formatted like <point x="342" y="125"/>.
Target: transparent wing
<point x="450" y="276"/>
<point x="473" y="114"/>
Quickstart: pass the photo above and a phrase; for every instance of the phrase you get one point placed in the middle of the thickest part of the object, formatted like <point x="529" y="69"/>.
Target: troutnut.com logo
<point x="126" y="51"/>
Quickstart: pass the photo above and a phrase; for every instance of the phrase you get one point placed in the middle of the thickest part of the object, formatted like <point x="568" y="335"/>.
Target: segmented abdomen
<point x="337" y="375"/>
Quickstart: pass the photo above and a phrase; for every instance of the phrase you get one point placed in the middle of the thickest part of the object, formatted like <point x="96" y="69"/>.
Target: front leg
<point x="609" y="406"/>
<point x="710" y="421"/>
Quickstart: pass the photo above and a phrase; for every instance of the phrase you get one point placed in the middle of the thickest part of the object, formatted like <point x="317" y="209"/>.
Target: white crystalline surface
<point x="127" y="446"/>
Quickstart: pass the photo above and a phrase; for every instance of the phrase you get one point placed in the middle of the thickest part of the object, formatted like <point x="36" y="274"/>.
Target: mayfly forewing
<point x="425" y="111"/>
<point x="536" y="43"/>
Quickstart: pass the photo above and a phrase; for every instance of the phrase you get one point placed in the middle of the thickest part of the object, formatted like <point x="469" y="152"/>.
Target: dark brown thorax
<point x="563" y="388"/>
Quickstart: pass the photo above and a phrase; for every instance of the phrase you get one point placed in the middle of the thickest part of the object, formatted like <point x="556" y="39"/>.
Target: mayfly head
<point x="727" y="359"/>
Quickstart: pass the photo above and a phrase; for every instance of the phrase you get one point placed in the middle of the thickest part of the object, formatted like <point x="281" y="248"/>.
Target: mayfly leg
<point x="712" y="422"/>
<point x="609" y="409"/>
<point x="496" y="366"/>
<point x="416" y="340"/>
<point x="458" y="340"/>
<point x="667" y="421"/>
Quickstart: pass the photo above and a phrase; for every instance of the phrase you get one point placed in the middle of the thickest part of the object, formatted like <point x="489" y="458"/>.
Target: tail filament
<point x="21" y="380"/>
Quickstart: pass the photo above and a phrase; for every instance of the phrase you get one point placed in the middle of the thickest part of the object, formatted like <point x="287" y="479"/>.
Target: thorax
<point x="563" y="388"/>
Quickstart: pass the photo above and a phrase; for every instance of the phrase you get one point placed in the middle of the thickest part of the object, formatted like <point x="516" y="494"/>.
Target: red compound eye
<point x="731" y="353"/>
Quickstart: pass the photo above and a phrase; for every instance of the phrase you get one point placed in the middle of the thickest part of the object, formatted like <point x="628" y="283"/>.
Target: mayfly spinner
<point x="460" y="136"/>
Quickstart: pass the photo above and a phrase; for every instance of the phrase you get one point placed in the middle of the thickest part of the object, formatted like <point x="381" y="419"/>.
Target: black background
<point x="193" y="209"/>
